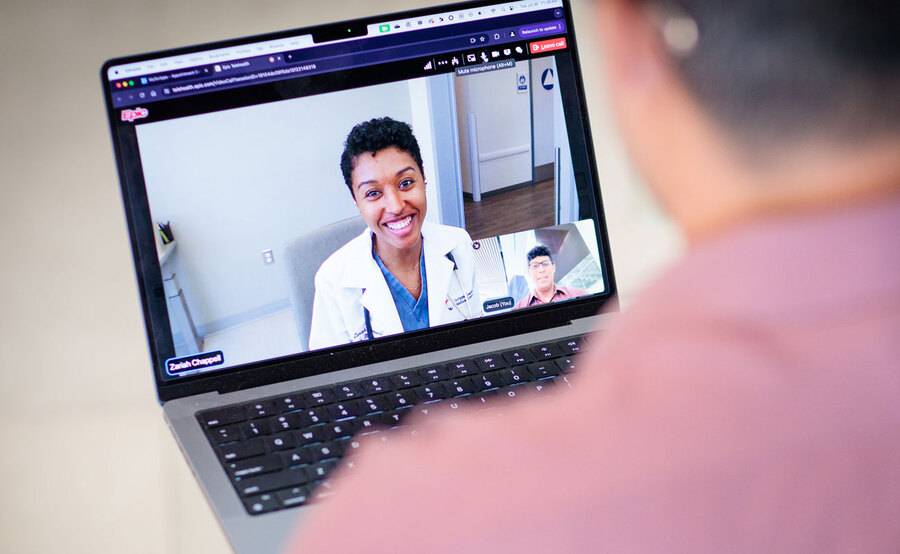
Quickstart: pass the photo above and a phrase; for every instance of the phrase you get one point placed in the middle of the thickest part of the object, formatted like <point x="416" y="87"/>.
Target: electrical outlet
<point x="268" y="257"/>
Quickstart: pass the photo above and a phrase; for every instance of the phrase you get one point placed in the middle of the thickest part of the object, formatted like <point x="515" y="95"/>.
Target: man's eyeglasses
<point x="536" y="265"/>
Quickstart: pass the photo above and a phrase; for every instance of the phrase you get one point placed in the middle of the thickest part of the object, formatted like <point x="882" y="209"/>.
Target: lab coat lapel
<point x="438" y="272"/>
<point x="377" y="298"/>
<point x="376" y="295"/>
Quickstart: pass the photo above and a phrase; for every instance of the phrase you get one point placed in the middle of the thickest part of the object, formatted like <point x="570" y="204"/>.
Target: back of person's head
<point x="789" y="69"/>
<point x="374" y="135"/>
<point x="733" y="110"/>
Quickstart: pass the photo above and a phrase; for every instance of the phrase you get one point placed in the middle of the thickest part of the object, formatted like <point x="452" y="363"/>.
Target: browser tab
<point x="217" y="55"/>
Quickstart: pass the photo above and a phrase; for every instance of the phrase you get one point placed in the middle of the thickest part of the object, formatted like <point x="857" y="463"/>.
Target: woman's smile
<point x="389" y="190"/>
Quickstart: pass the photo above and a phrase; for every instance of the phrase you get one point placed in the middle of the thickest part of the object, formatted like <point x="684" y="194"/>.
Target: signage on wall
<point x="548" y="79"/>
<point x="521" y="82"/>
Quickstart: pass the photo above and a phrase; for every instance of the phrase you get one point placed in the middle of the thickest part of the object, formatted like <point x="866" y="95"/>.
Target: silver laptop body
<point x="229" y="156"/>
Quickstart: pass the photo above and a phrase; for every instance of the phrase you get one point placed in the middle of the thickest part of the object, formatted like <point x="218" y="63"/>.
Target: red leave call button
<point x="548" y="45"/>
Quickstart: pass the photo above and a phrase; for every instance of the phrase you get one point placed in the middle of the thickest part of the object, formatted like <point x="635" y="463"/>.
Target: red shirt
<point x="747" y="402"/>
<point x="562" y="293"/>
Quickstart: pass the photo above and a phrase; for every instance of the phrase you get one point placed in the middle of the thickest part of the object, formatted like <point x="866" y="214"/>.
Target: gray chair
<point x="303" y="256"/>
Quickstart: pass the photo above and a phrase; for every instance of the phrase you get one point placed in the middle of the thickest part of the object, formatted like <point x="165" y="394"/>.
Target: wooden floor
<point x="521" y="209"/>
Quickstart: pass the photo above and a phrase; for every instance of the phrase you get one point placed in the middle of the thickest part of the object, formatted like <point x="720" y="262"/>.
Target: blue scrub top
<point x="413" y="313"/>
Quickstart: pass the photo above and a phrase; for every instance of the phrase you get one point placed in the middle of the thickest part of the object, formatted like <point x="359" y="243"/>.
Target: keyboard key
<point x="325" y="451"/>
<point x="461" y="368"/>
<point x="570" y="346"/>
<point x="518" y="357"/>
<point x="458" y="387"/>
<point x="426" y="410"/>
<point x="566" y="364"/>
<point x="541" y="386"/>
<point x="261" y="504"/>
<point x="348" y="391"/>
<point x="368" y="424"/>
<point x="322" y="469"/>
<point x="224" y="416"/>
<point x="340" y="429"/>
<point x="297" y="456"/>
<point x="490" y="362"/>
<point x="255" y="466"/>
<point x="282" y="441"/>
<point x="546" y="351"/>
<point x="310" y="435"/>
<point x="434" y="374"/>
<point x="375" y="404"/>
<point x="486" y="381"/>
<point x="322" y="490"/>
<point x="514" y="376"/>
<point x="289" y="403"/>
<point x="342" y="410"/>
<point x="513" y="392"/>
<point x="482" y="398"/>
<point x="313" y="416"/>
<point x="255" y="428"/>
<point x="453" y="404"/>
<point x="295" y="496"/>
<point x="285" y="422"/>
<point x="543" y="369"/>
<point x="405" y="380"/>
<point x="240" y="450"/>
<point x="429" y="393"/>
<point x="350" y="446"/>
<point x="264" y="408"/>
<point x="319" y="397"/>
<point x="394" y="418"/>
<point x="376" y="386"/>
<point x="221" y="435"/>
<point x="290" y="477"/>
<point x="401" y="399"/>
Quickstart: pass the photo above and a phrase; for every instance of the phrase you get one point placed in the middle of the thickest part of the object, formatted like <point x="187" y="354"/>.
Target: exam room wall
<point x="237" y="182"/>
<point x="89" y="464"/>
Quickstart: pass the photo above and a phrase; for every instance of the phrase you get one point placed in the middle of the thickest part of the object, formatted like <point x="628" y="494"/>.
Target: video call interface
<point x="319" y="220"/>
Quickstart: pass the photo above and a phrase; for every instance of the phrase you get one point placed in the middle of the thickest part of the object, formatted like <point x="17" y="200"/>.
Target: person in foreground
<point x="402" y="273"/>
<point x="747" y="401"/>
<point x="542" y="270"/>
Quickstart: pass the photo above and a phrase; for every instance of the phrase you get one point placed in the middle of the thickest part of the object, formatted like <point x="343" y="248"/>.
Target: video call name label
<point x="195" y="362"/>
<point x="499" y="304"/>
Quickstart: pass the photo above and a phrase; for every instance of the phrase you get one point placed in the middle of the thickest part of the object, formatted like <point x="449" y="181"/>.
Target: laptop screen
<point x="306" y="191"/>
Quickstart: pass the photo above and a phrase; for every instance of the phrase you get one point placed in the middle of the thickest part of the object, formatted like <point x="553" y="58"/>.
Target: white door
<point x="501" y="105"/>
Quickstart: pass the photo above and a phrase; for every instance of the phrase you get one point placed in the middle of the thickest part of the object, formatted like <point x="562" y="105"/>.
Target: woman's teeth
<point x="401" y="224"/>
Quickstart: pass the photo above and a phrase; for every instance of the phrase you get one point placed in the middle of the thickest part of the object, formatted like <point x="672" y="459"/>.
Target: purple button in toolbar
<point x="541" y="29"/>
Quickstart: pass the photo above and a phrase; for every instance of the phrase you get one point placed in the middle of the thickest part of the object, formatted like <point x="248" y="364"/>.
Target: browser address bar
<point x="366" y="58"/>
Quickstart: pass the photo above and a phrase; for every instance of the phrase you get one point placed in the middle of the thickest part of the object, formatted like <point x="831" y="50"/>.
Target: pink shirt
<point x="562" y="293"/>
<point x="748" y="402"/>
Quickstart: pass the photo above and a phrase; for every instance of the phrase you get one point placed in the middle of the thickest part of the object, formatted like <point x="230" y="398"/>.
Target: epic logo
<point x="137" y="113"/>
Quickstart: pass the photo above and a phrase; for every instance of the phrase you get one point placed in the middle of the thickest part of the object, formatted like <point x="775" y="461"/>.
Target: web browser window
<point x="304" y="195"/>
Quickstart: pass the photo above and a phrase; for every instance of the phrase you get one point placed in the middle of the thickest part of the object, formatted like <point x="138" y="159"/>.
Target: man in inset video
<point x="542" y="270"/>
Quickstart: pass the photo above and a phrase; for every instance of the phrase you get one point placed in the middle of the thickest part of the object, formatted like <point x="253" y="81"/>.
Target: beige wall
<point x="88" y="464"/>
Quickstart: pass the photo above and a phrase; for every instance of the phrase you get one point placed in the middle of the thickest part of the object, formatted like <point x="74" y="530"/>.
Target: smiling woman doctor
<point x="402" y="273"/>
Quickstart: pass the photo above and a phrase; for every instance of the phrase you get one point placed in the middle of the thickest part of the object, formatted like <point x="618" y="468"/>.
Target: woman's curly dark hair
<point x="375" y="135"/>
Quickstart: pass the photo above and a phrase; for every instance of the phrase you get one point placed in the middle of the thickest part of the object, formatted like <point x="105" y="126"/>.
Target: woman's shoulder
<point x="457" y="234"/>
<point x="347" y="255"/>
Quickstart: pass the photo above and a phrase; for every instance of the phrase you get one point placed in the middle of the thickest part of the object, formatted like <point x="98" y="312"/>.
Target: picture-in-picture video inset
<point x="317" y="221"/>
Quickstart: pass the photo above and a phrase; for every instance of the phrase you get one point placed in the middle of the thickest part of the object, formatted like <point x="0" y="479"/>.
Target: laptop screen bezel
<point x="383" y="349"/>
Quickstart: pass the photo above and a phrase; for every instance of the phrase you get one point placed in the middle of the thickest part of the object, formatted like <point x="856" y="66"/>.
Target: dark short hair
<point x="375" y="135"/>
<point x="538" y="251"/>
<point x="794" y="68"/>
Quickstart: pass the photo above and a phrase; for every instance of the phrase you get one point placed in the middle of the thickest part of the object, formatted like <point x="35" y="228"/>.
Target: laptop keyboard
<point x="279" y="451"/>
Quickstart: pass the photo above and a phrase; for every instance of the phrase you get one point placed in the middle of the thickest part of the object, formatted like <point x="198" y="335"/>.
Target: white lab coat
<point x="350" y="281"/>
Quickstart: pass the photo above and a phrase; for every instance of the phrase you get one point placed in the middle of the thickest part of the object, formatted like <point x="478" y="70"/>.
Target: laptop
<point x="340" y="229"/>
